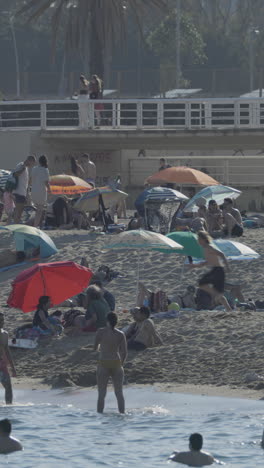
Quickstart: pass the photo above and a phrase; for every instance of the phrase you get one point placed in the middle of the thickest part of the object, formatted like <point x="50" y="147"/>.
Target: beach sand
<point x="207" y="352"/>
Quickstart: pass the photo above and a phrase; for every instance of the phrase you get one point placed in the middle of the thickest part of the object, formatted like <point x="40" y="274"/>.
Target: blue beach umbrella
<point x="28" y="237"/>
<point x="233" y="250"/>
<point x="214" y="192"/>
<point x="161" y="194"/>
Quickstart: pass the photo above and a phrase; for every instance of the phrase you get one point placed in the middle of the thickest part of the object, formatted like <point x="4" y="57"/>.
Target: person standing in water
<point x="5" y="359"/>
<point x="8" y="444"/>
<point x="195" y="456"/>
<point x="113" y="353"/>
<point x="212" y="282"/>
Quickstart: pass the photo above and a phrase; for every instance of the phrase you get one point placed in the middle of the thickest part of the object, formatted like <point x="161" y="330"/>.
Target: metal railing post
<point x="160" y="114"/>
<point x="43" y="116"/>
<point x="207" y="115"/>
<point x="139" y="115"/>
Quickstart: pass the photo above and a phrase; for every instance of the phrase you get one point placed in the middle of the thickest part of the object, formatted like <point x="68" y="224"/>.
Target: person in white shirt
<point x="20" y="192"/>
<point x="40" y="188"/>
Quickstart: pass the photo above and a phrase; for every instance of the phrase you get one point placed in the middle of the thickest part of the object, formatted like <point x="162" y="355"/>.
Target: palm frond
<point x="108" y="16"/>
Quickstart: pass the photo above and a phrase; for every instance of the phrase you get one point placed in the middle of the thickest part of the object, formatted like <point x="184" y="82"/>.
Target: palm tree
<point x="100" y="23"/>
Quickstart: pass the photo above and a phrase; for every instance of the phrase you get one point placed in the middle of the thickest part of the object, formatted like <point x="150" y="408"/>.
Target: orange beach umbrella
<point x="181" y="175"/>
<point x="68" y="185"/>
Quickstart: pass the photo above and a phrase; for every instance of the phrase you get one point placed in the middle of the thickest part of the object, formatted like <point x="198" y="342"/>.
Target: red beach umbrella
<point x="59" y="280"/>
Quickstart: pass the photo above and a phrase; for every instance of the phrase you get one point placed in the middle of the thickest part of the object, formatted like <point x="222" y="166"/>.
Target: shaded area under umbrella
<point x="28" y="237"/>
<point x="58" y="280"/>
<point x="141" y="239"/>
<point x="181" y="175"/>
<point x="91" y="200"/>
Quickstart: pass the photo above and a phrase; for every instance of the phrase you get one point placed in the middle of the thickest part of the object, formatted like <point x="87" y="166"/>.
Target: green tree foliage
<point x="163" y="41"/>
<point x="90" y="26"/>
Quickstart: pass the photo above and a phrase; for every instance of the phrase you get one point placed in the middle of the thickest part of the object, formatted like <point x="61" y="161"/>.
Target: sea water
<point x="62" y="429"/>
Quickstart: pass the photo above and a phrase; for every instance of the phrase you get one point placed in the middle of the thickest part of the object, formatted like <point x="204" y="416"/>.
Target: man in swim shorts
<point x="5" y="359"/>
<point x="195" y="456"/>
<point x="212" y="282"/>
<point x="8" y="444"/>
<point x="113" y="353"/>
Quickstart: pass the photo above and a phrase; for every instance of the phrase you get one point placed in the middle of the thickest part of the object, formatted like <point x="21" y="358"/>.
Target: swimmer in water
<point x="8" y="444"/>
<point x="195" y="456"/>
<point x="113" y="353"/>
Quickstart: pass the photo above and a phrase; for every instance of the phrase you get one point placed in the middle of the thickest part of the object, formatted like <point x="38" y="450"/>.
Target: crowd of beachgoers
<point x="153" y="318"/>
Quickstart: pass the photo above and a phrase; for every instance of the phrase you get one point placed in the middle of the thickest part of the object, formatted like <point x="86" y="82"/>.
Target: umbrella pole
<point x="137" y="284"/>
<point x="182" y="271"/>
<point x="101" y="204"/>
<point x="44" y="284"/>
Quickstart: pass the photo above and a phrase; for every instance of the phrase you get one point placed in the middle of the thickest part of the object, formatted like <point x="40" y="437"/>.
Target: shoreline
<point x="21" y="383"/>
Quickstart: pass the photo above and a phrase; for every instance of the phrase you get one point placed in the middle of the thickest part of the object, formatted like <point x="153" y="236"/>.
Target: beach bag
<point x="11" y="183"/>
<point x="158" y="302"/>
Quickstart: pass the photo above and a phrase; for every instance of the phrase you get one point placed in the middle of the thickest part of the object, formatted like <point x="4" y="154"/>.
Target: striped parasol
<point x="3" y="178"/>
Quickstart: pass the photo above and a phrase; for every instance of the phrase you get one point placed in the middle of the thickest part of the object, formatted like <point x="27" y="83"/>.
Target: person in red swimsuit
<point x="96" y="92"/>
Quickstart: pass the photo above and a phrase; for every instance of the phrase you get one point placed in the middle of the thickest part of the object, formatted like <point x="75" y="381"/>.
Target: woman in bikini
<point x="113" y="353"/>
<point x="212" y="282"/>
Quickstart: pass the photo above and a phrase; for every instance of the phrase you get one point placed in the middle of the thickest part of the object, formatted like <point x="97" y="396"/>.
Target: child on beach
<point x="212" y="282"/>
<point x="9" y="205"/>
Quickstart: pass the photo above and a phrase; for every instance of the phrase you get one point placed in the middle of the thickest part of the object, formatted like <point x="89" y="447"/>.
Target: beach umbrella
<point x="181" y="175"/>
<point x="4" y="175"/>
<point x="216" y="192"/>
<point x="68" y="185"/>
<point x="28" y="237"/>
<point x="141" y="239"/>
<point x="188" y="241"/>
<point x="235" y="250"/>
<point x="162" y="194"/>
<point x="91" y="200"/>
<point x="58" y="280"/>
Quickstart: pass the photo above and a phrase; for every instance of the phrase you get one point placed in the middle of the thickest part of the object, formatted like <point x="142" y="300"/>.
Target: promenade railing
<point x="133" y="114"/>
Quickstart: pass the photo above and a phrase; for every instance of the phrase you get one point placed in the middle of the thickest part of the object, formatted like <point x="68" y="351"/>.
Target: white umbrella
<point x="233" y="250"/>
<point x="214" y="192"/>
